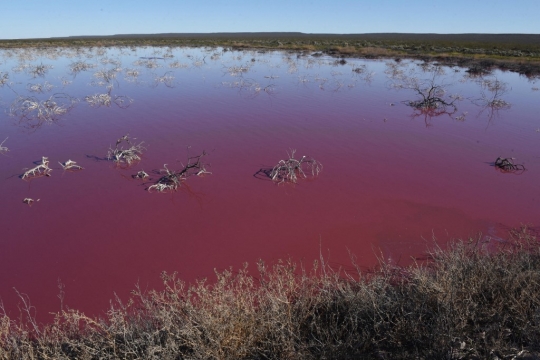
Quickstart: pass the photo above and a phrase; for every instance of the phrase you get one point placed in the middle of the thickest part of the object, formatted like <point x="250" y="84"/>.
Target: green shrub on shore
<point x="472" y="300"/>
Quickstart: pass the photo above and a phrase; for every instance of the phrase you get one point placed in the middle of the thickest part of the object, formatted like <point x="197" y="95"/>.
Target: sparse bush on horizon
<point x="472" y="300"/>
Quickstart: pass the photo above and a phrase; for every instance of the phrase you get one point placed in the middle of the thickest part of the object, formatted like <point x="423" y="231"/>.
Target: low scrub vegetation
<point x="474" y="300"/>
<point x="514" y="52"/>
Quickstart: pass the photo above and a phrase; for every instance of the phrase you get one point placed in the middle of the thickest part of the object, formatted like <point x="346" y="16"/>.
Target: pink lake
<point x="391" y="182"/>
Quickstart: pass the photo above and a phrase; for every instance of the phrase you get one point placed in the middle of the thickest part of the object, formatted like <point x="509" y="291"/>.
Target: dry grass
<point x="471" y="301"/>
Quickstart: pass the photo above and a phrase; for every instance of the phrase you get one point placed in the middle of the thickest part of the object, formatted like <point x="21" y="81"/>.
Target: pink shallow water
<point x="389" y="186"/>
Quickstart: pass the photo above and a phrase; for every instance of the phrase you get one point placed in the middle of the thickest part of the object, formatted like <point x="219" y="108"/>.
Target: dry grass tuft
<point x="473" y="300"/>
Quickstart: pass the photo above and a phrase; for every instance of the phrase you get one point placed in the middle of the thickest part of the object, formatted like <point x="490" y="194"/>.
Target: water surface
<point x="393" y="180"/>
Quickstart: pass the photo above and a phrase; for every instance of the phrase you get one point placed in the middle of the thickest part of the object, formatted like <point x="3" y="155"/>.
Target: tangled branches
<point x="42" y="169"/>
<point x="129" y="155"/>
<point x="39" y="70"/>
<point x="172" y="179"/>
<point x="292" y="169"/>
<point x="507" y="165"/>
<point x="35" y="112"/>
<point x="433" y="100"/>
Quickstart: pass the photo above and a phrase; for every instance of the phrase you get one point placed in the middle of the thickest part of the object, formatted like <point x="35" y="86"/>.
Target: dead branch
<point x="292" y="169"/>
<point x="70" y="165"/>
<point x="42" y="169"/>
<point x="140" y="175"/>
<point x="29" y="201"/>
<point x="172" y="179"/>
<point x="431" y="92"/>
<point x="507" y="165"/>
<point x="3" y="149"/>
<point x="129" y="155"/>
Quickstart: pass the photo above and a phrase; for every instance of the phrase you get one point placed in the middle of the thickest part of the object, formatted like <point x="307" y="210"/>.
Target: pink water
<point x="389" y="187"/>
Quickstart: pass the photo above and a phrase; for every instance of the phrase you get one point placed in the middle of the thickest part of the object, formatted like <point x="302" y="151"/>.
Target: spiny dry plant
<point x="507" y="165"/>
<point x="70" y="165"/>
<point x="476" y="299"/>
<point x="122" y="155"/>
<point x="173" y="179"/>
<point x="40" y="170"/>
<point x="292" y="169"/>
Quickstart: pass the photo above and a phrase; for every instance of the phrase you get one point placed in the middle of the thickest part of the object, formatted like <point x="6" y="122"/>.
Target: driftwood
<point x="172" y="179"/>
<point x="292" y="169"/>
<point x="507" y="165"/>
<point x="42" y="169"/>
<point x="70" y="165"/>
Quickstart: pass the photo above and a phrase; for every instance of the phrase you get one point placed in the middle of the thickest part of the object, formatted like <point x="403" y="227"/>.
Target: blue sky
<point x="52" y="18"/>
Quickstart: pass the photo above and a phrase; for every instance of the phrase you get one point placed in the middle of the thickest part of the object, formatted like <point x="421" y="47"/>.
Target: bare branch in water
<point x="3" y="149"/>
<point x="71" y="165"/>
<point x="129" y="155"/>
<point x="29" y="201"/>
<point x="140" y="175"/>
<point x="507" y="165"/>
<point x="292" y="169"/>
<point x="42" y="169"/>
<point x="172" y="179"/>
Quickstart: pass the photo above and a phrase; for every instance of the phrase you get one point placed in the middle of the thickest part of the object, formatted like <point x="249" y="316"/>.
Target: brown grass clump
<point x="471" y="301"/>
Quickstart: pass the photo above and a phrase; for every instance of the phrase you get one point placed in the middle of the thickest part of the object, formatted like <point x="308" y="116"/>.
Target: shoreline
<point x="481" y="53"/>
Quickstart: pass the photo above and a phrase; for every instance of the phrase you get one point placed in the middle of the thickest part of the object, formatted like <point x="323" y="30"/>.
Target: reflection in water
<point x="490" y="99"/>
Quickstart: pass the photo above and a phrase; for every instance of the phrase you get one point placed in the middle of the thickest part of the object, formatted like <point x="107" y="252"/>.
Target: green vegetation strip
<point x="473" y="300"/>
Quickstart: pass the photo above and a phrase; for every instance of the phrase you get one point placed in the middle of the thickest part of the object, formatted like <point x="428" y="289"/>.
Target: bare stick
<point x="3" y="149"/>
<point x="172" y="179"/>
<point x="70" y="165"/>
<point x="42" y="169"/>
